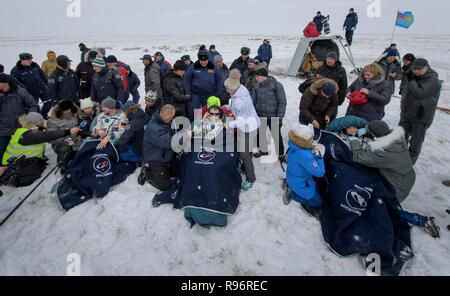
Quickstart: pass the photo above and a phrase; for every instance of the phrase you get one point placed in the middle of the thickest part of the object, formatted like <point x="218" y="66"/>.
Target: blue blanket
<point x="207" y="188"/>
<point x="91" y="174"/>
<point x="361" y="214"/>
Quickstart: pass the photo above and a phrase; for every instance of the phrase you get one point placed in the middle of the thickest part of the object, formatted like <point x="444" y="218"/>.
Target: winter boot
<point x="143" y="175"/>
<point x="287" y="193"/>
<point x="312" y="211"/>
<point x="431" y="228"/>
<point x="246" y="185"/>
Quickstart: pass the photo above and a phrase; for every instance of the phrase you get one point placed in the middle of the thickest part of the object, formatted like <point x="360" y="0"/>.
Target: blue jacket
<point x="157" y="141"/>
<point x="351" y="21"/>
<point x="265" y="52"/>
<point x="32" y="78"/>
<point x="133" y="136"/>
<point x="302" y="166"/>
<point x="165" y="66"/>
<point x="212" y="54"/>
<point x="318" y="21"/>
<point x="203" y="81"/>
<point x="133" y="84"/>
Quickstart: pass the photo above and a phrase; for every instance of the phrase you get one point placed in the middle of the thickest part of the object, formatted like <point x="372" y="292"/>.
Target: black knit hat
<point x="180" y="65"/>
<point x="4" y="78"/>
<point x="262" y="72"/>
<point x="409" y="57"/>
<point x="378" y="128"/>
<point x="111" y="59"/>
<point x="65" y="105"/>
<point x="203" y="55"/>
<point x="63" y="61"/>
<point x="419" y="63"/>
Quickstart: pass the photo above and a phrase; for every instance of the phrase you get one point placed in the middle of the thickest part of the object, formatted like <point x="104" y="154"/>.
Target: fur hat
<point x="4" y="78"/>
<point x="302" y="135"/>
<point x="180" y="65"/>
<point x="65" y="105"/>
<point x="86" y="103"/>
<point x="233" y="82"/>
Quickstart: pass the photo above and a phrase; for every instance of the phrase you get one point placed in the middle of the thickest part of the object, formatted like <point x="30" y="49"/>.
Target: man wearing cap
<point x="106" y="82"/>
<point x="241" y="63"/>
<point x="122" y="68"/>
<point x="63" y="83"/>
<point x="332" y="69"/>
<point x="83" y="50"/>
<point x="418" y="105"/>
<point x="163" y="64"/>
<point x="250" y="75"/>
<point x="30" y="138"/>
<point x="152" y="75"/>
<point x="392" y="68"/>
<point x="173" y="89"/>
<point x="265" y="52"/>
<point x="31" y="76"/>
<point x="85" y="72"/>
<point x="201" y="81"/>
<point x="269" y="99"/>
<point x="187" y="60"/>
<point x="14" y="101"/>
<point x="110" y="124"/>
<point x="407" y="74"/>
<point x="49" y="65"/>
<point x="212" y="52"/>
<point x="319" y="103"/>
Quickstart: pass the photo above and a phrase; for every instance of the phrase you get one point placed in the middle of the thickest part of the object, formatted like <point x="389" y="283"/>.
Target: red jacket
<point x="311" y="30"/>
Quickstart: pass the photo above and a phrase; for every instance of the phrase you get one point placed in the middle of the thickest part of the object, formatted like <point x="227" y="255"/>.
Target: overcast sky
<point x="39" y="18"/>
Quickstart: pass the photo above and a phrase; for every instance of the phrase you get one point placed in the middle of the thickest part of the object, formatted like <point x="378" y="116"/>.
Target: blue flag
<point x="404" y="19"/>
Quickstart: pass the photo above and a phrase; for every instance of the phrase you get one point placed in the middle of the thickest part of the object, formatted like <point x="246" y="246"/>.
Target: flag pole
<point x="395" y="26"/>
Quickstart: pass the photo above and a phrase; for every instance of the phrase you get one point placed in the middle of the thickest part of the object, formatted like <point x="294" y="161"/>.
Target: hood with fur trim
<point x="315" y="87"/>
<point x="395" y="141"/>
<point x="300" y="142"/>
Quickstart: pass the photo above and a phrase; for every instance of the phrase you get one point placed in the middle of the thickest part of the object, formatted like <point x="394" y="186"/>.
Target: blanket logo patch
<point x="357" y="200"/>
<point x="206" y="156"/>
<point x="102" y="165"/>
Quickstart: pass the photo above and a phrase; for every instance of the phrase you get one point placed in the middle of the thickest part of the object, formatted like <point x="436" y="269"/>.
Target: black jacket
<point x="107" y="83"/>
<point x="338" y="74"/>
<point x="175" y="94"/>
<point x="134" y="135"/>
<point x="41" y="136"/>
<point x="420" y="99"/>
<point x="85" y="72"/>
<point x="17" y="101"/>
<point x="242" y="66"/>
<point x="63" y="85"/>
<point x="32" y="78"/>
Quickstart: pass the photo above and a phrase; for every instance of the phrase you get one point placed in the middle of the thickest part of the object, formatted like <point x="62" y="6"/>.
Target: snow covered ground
<point x="123" y="235"/>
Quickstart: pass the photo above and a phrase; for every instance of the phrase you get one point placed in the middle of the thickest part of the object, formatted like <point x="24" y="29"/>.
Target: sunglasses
<point x="215" y="114"/>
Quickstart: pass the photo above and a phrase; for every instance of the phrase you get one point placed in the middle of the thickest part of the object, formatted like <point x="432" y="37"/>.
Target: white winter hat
<point x="86" y="103"/>
<point x="233" y="82"/>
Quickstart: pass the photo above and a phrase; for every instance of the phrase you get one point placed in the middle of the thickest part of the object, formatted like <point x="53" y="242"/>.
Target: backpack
<point x="23" y="171"/>
<point x="306" y="84"/>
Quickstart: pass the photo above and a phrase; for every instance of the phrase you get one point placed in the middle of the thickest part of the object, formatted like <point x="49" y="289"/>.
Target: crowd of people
<point x="99" y="101"/>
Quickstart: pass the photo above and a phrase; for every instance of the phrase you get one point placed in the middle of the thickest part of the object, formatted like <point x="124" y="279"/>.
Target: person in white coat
<point x="246" y="121"/>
